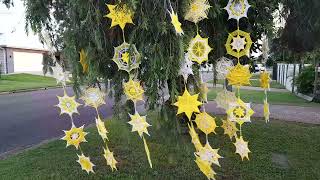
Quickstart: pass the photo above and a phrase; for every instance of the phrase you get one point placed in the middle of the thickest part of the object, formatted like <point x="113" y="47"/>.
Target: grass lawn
<point x="256" y="83"/>
<point x="172" y="154"/>
<point x="285" y="98"/>
<point x="25" y="81"/>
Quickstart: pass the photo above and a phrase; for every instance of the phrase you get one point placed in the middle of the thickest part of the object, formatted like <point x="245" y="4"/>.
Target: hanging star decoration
<point x="266" y="110"/>
<point x="242" y="148"/>
<point x="205" y="168"/>
<point x="93" y="97"/>
<point x="197" y="11"/>
<point x="119" y="15"/>
<point x="239" y="75"/>
<point x="68" y="105"/>
<point x="208" y="154"/>
<point x="85" y="163"/>
<point x="194" y="137"/>
<point x="139" y="124"/>
<point x="204" y="91"/>
<point x="186" y="67"/>
<point x="84" y="61"/>
<point x="237" y="9"/>
<point x="102" y="130"/>
<point x="240" y="112"/>
<point x="224" y="98"/>
<point x="229" y="128"/>
<point x="238" y="44"/>
<point x="188" y="104"/>
<point x="206" y="123"/>
<point x="222" y="67"/>
<point x="60" y="75"/>
<point x="265" y="80"/>
<point x="126" y="57"/>
<point x="175" y="21"/>
<point x="75" y="136"/>
<point x="133" y="90"/>
<point x="111" y="161"/>
<point x="199" y="49"/>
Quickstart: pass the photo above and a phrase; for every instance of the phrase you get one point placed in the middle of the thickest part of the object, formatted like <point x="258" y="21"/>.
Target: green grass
<point x="25" y="81"/>
<point x="173" y="154"/>
<point x="283" y="98"/>
<point x="256" y="83"/>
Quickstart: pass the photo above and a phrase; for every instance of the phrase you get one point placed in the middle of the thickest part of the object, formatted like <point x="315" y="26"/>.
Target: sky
<point x="12" y="28"/>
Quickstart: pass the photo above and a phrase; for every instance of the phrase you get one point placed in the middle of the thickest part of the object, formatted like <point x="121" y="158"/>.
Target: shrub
<point x="305" y="80"/>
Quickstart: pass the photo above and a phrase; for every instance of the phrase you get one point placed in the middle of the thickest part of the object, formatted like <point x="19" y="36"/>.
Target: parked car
<point x="259" y="67"/>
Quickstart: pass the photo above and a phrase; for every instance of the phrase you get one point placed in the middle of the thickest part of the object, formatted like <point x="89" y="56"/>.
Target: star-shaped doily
<point x="194" y="137"/>
<point x="188" y="104"/>
<point x="239" y="75"/>
<point x="133" y="90"/>
<point x="224" y="98"/>
<point x="120" y="15"/>
<point x="75" y="136"/>
<point x="265" y="80"/>
<point x="175" y="21"/>
<point x="237" y="9"/>
<point x="222" y="67"/>
<point x="68" y="105"/>
<point x="186" y="67"/>
<point x="199" y="49"/>
<point x="266" y="110"/>
<point x="240" y="112"/>
<point x="111" y="161"/>
<point x="126" y="57"/>
<point x="206" y="123"/>
<point x="60" y="75"/>
<point x="205" y="168"/>
<point x="84" y="61"/>
<point x="230" y="128"/>
<point x="208" y="154"/>
<point x="197" y="10"/>
<point x="102" y="130"/>
<point x="139" y="124"/>
<point x="93" y="97"/>
<point x="234" y="44"/>
<point x="242" y="148"/>
<point x="85" y="163"/>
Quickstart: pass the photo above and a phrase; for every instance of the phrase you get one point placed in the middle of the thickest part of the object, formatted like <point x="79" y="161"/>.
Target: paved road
<point x="30" y="118"/>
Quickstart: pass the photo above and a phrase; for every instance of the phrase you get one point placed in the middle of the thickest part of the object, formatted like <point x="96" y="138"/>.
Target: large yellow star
<point x="239" y="75"/>
<point x="229" y="128"/>
<point x="139" y="124"/>
<point x="68" y="105"/>
<point x="188" y="104"/>
<point x="120" y="15"/>
<point x="102" y="130"/>
<point x="205" y="168"/>
<point x="175" y="22"/>
<point x="206" y="123"/>
<point x="84" y="61"/>
<point x="133" y="90"/>
<point x="85" y="163"/>
<point x="93" y="97"/>
<point x="111" y="161"/>
<point x="242" y="148"/>
<point x="208" y="154"/>
<point x="75" y="136"/>
<point x="265" y="80"/>
<point x="240" y="112"/>
<point x="199" y="49"/>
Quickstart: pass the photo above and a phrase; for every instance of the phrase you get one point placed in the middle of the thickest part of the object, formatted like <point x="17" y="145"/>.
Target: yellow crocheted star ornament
<point x="133" y="90"/>
<point x="175" y="22"/>
<point x="238" y="43"/>
<point x="93" y="97"/>
<point x="102" y="130"/>
<point x="208" y="154"/>
<point x="230" y="128"/>
<point x="188" y="104"/>
<point x="139" y="124"/>
<point x="85" y="163"/>
<point x="126" y="57"/>
<point x="111" y="161"/>
<point x="206" y="123"/>
<point x="197" y="10"/>
<point x="68" y="105"/>
<point x="237" y="9"/>
<point x="239" y="75"/>
<point x="265" y="80"/>
<point x="242" y="148"/>
<point x="75" y="136"/>
<point x="120" y="15"/>
<point x="84" y="61"/>
<point x="240" y="112"/>
<point x="205" y="168"/>
<point x="199" y="49"/>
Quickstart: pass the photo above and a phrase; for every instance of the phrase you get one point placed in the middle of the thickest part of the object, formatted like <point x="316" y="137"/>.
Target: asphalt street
<point x="30" y="118"/>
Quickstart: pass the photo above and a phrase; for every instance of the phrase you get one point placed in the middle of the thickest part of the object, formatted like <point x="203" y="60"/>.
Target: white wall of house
<point x="27" y="62"/>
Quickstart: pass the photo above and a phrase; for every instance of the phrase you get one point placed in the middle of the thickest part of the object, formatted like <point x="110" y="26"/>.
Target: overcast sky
<point x="13" y="27"/>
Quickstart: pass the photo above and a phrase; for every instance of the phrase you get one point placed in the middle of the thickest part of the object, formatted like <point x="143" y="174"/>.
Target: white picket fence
<point x="285" y="75"/>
